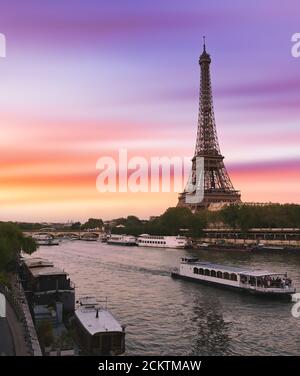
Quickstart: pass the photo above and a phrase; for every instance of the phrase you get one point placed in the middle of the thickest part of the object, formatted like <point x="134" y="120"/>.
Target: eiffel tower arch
<point x="217" y="188"/>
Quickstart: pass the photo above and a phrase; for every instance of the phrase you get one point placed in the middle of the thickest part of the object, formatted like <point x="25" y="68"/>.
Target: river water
<point x="164" y="316"/>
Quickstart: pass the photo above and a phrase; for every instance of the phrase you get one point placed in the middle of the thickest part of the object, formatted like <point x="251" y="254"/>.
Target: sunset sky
<point x="83" y="78"/>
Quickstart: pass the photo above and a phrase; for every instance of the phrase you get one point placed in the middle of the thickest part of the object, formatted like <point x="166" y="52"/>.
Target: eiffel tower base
<point x="211" y="201"/>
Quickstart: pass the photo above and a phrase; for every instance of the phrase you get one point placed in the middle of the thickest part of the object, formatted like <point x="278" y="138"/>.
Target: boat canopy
<point x="226" y="268"/>
<point x="261" y="273"/>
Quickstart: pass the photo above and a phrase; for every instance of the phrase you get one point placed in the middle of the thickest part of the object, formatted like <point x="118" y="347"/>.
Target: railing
<point x="19" y="313"/>
<point x="276" y="289"/>
<point x="18" y="302"/>
<point x="285" y="289"/>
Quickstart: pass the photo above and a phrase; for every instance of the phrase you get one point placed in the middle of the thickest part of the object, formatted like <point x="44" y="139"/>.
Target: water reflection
<point x="211" y="329"/>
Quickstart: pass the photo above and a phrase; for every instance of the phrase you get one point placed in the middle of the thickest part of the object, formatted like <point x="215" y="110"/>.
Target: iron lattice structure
<point x="216" y="182"/>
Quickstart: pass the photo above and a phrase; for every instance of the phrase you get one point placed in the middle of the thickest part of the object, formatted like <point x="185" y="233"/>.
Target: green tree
<point x="171" y="222"/>
<point x="12" y="242"/>
<point x="45" y="333"/>
<point x="76" y="226"/>
<point x="230" y="215"/>
<point x="92" y="223"/>
<point x="257" y="216"/>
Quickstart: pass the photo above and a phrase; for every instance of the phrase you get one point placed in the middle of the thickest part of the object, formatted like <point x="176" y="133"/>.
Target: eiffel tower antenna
<point x="217" y="185"/>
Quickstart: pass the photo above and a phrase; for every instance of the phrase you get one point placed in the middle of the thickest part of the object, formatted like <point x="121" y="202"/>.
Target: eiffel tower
<point x="213" y="177"/>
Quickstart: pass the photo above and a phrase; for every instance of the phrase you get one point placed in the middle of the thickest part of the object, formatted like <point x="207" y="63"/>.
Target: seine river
<point x="175" y="317"/>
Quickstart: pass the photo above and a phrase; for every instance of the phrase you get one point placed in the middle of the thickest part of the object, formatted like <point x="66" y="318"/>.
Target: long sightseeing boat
<point x="158" y="241"/>
<point x="255" y="281"/>
<point x="97" y="331"/>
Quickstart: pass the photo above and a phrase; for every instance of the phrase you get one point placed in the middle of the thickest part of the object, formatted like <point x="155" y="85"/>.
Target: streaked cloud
<point x="81" y="81"/>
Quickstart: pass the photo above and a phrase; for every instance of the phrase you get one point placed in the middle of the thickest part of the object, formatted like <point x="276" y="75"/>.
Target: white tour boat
<point x="44" y="239"/>
<point x="121" y="240"/>
<point x="146" y="240"/>
<point x="98" y="332"/>
<point x="251" y="280"/>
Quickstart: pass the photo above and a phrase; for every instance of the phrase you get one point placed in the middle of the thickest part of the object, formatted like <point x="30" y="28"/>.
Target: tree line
<point x="182" y="221"/>
<point x="176" y="221"/>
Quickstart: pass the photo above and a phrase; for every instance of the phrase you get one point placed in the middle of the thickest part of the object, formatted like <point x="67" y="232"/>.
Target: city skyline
<point x="76" y="86"/>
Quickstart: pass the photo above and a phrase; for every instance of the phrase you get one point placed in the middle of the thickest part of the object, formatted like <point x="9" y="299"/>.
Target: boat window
<point x="226" y="275"/>
<point x="201" y="271"/>
<point x="233" y="277"/>
<point x="213" y="273"/>
<point x="196" y="271"/>
<point x="243" y="279"/>
<point x="219" y="275"/>
<point x="207" y="272"/>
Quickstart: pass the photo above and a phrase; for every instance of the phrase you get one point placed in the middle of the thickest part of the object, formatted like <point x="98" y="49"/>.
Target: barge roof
<point x="105" y="322"/>
<point x="45" y="270"/>
<point x="40" y="267"/>
<point x="34" y="262"/>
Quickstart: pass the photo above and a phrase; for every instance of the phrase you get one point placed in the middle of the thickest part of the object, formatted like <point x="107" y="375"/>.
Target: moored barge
<point x="46" y="284"/>
<point x="98" y="332"/>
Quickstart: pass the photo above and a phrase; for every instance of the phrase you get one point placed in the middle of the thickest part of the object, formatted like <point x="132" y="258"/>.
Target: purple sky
<point x="80" y="70"/>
